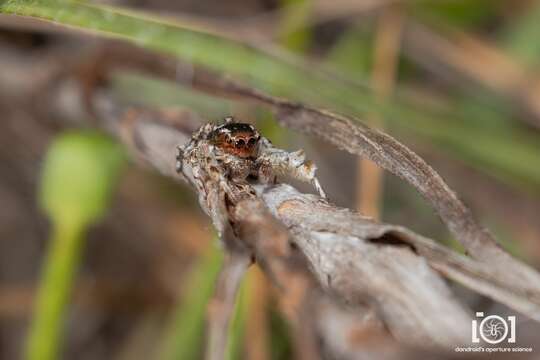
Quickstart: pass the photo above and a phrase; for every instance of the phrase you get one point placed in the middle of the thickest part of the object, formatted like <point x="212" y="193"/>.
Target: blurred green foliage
<point x="79" y="175"/>
<point x="184" y="335"/>
<point x="521" y="38"/>
<point x="450" y="130"/>
<point x="465" y="14"/>
<point x="281" y="346"/>
<point x="353" y="52"/>
<point x="145" y="90"/>
<point x="294" y="31"/>
<point x="237" y="327"/>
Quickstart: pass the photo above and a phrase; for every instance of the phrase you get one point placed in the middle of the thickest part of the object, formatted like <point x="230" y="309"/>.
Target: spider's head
<point x="237" y="139"/>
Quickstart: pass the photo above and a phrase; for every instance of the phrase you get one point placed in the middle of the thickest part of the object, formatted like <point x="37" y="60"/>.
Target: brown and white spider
<point x="235" y="152"/>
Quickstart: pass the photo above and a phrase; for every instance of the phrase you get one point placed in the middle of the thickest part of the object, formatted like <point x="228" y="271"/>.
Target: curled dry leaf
<point x="353" y="136"/>
<point x="315" y="224"/>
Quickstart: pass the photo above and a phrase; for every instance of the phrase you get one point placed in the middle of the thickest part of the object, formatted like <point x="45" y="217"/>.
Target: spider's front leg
<point x="179" y="158"/>
<point x="272" y="161"/>
<point x="189" y="150"/>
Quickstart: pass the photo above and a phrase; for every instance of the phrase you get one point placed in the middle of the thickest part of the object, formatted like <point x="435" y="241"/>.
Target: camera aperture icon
<point x="494" y="329"/>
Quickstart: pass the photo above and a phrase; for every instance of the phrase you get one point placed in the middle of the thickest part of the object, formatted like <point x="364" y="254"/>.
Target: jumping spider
<point x="233" y="152"/>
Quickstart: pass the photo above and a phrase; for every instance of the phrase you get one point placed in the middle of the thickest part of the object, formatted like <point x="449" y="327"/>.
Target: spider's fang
<point x="319" y="188"/>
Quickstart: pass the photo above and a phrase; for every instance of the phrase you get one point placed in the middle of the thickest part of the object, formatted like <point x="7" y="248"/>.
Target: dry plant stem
<point x="357" y="333"/>
<point x="155" y="143"/>
<point x="393" y="156"/>
<point x="356" y="138"/>
<point x="286" y="268"/>
<point x="386" y="56"/>
<point x="222" y="304"/>
<point x="350" y="264"/>
<point x="325" y="226"/>
<point x="385" y="151"/>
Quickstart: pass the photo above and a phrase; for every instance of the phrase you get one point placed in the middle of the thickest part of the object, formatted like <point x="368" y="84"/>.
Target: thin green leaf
<point x="184" y="336"/>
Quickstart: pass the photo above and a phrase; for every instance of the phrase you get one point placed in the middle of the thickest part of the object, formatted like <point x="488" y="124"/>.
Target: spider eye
<point x="240" y="143"/>
<point x="252" y="141"/>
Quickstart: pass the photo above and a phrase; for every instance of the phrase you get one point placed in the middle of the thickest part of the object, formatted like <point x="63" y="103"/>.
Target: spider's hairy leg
<point x="304" y="170"/>
<point x="272" y="160"/>
<point x="188" y="151"/>
<point x="179" y="158"/>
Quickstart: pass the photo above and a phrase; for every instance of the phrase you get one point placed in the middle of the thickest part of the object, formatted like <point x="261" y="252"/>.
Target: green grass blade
<point x="61" y="263"/>
<point x="183" y="337"/>
<point x="237" y="326"/>
<point x="280" y="75"/>
<point x="285" y="75"/>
